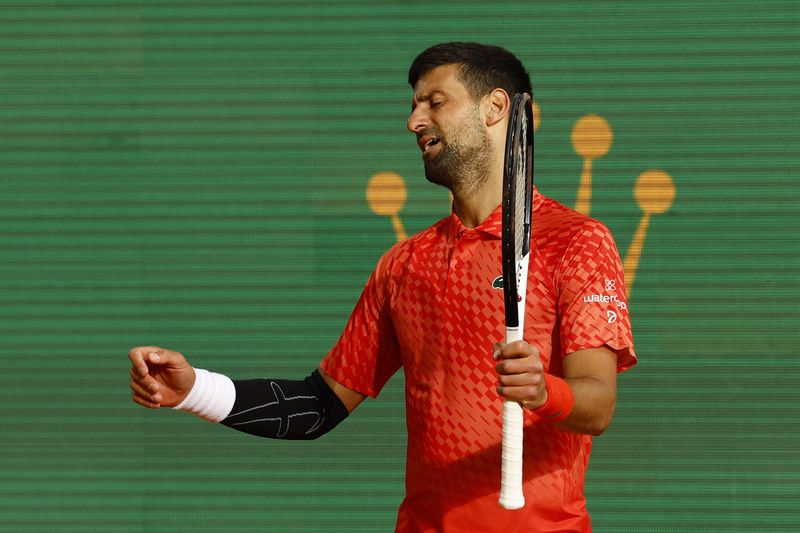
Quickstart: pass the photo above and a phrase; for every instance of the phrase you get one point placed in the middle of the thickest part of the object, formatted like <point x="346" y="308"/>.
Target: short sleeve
<point x="592" y="301"/>
<point x="367" y="353"/>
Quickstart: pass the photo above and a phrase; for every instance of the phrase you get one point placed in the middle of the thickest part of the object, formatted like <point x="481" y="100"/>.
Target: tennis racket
<point x="517" y="195"/>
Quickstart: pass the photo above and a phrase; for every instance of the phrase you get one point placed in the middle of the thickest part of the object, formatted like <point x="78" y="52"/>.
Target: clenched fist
<point x="159" y="377"/>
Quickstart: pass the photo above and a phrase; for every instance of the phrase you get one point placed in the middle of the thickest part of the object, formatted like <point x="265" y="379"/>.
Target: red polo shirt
<point x="434" y="306"/>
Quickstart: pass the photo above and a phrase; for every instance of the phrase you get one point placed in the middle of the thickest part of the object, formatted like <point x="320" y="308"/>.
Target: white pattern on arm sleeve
<point x="211" y="398"/>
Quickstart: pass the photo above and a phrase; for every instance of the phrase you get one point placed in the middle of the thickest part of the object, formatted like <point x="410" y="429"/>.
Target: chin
<point x="441" y="171"/>
<point x="437" y="177"/>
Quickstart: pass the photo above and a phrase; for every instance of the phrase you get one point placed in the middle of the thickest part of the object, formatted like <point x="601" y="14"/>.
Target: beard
<point x="464" y="158"/>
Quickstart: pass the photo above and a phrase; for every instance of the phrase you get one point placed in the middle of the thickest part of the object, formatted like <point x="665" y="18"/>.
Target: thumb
<point x="174" y="375"/>
<point x="163" y="357"/>
<point x="497" y="348"/>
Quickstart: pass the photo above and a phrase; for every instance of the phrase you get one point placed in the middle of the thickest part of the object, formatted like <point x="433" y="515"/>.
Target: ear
<point x="497" y="104"/>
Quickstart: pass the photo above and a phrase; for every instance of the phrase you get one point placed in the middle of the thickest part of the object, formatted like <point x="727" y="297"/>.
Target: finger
<point x="517" y="349"/>
<point x="497" y="348"/>
<point x="137" y="358"/>
<point x="164" y="357"/>
<point x="140" y="371"/>
<point x="145" y="393"/>
<point x="142" y="351"/>
<point x="149" y="393"/>
<point x="144" y="402"/>
<point x="147" y="382"/>
<point x="520" y="380"/>
<point x="527" y="395"/>
<point x="143" y="356"/>
<point x="527" y="365"/>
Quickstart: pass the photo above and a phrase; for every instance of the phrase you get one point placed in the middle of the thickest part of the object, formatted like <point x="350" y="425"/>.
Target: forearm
<point x="284" y="409"/>
<point x="593" y="408"/>
<point x="582" y="401"/>
<point x="278" y="409"/>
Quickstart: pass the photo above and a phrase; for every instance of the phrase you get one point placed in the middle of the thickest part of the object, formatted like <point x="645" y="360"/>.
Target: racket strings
<point x="520" y="168"/>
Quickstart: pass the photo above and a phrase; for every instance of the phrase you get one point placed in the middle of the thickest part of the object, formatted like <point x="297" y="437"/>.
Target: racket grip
<point x="511" y="496"/>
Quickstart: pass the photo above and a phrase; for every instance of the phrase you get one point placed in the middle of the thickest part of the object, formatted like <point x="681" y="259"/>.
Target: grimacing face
<point x="450" y="132"/>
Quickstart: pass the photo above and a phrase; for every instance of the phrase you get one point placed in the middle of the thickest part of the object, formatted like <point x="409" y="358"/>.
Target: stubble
<point x="464" y="161"/>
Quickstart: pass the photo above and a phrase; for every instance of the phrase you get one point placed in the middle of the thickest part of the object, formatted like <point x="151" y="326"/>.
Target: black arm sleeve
<point x="283" y="409"/>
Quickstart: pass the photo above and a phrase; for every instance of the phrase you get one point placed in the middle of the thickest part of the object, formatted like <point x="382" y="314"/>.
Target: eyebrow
<point x="426" y="96"/>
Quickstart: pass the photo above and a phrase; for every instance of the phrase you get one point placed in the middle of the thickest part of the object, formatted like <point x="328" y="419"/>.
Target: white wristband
<point x="211" y="397"/>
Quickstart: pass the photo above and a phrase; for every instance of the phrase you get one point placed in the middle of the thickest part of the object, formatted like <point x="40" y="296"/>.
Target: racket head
<point x="517" y="203"/>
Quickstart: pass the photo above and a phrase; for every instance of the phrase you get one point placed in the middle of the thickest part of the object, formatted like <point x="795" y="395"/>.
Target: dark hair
<point x="483" y="68"/>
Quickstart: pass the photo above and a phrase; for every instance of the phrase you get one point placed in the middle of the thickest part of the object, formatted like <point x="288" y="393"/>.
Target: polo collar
<point x="492" y="225"/>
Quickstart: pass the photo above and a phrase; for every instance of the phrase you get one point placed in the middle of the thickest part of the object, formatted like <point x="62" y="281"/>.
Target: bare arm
<point x="350" y="398"/>
<point x="590" y="373"/>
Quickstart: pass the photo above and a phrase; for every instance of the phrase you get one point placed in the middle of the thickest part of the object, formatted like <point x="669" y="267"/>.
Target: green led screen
<point x="196" y="175"/>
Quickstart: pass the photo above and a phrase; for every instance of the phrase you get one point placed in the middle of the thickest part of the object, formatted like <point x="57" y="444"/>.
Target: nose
<point x="417" y="121"/>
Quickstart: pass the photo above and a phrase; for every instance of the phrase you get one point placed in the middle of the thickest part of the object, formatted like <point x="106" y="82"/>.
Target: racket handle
<point x="511" y="496"/>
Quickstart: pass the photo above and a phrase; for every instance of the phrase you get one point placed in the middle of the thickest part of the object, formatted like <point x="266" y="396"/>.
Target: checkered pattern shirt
<point x="434" y="306"/>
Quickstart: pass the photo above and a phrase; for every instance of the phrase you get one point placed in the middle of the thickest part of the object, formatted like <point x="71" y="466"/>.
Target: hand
<point x="520" y="374"/>
<point x="159" y="377"/>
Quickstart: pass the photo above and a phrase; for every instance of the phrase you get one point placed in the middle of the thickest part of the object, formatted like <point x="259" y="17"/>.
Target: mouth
<point x="426" y="142"/>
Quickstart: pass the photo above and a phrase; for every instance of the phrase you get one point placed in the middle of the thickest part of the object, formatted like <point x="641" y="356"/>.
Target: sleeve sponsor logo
<point x="604" y="299"/>
<point x="611" y="286"/>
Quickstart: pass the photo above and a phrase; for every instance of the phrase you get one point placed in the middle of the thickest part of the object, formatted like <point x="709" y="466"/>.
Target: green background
<point x="192" y="175"/>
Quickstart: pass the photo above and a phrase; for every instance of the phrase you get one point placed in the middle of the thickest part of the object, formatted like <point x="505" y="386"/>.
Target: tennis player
<point x="434" y="307"/>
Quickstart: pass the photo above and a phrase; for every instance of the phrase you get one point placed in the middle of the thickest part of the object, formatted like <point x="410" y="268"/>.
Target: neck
<point x="478" y="198"/>
<point x="474" y="206"/>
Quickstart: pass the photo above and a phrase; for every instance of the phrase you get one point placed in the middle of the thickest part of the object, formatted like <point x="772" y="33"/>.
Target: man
<point x="430" y="307"/>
